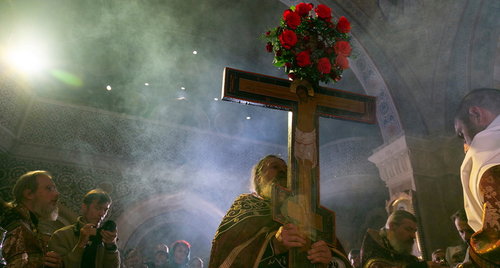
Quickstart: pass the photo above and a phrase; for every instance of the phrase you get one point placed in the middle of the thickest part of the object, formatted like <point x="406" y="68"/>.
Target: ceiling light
<point x="216" y="99"/>
<point x="29" y="58"/>
<point x="108" y="88"/>
<point x="195" y="52"/>
<point x="146" y="84"/>
<point x="183" y="88"/>
<point x="181" y="98"/>
<point x="248" y="117"/>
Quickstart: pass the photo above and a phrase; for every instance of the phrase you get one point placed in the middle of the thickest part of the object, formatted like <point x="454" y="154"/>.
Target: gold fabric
<point x="23" y="246"/>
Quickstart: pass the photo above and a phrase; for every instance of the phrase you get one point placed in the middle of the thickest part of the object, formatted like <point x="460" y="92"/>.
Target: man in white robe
<point x="478" y="123"/>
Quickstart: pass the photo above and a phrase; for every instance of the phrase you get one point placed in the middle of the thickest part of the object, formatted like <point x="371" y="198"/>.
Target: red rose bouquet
<point x="309" y="45"/>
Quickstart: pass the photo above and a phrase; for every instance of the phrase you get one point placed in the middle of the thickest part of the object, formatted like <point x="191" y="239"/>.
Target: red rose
<point x="342" y="62"/>
<point x="303" y="9"/>
<point x="288" y="39"/>
<point x="269" y="47"/>
<point x="324" y="65"/>
<point x="343" y="48"/>
<point x="343" y="26"/>
<point x="324" y="12"/>
<point x="303" y="59"/>
<point x="291" y="18"/>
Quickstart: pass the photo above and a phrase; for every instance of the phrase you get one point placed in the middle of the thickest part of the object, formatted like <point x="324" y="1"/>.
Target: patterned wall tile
<point x="13" y="102"/>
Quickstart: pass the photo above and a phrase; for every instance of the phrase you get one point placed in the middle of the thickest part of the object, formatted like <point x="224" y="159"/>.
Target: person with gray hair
<point x="477" y="122"/>
<point x="249" y="237"/>
<point x="35" y="197"/>
<point x="392" y="245"/>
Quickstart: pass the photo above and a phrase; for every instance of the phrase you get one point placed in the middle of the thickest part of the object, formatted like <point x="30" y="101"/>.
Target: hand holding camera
<point x="107" y="232"/>
<point x="86" y="232"/>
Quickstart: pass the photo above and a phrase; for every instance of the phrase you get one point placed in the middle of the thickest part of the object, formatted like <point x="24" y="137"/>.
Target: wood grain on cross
<point x="298" y="203"/>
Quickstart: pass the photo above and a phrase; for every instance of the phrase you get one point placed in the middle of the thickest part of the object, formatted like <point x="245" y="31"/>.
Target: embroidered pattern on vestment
<point x="244" y="207"/>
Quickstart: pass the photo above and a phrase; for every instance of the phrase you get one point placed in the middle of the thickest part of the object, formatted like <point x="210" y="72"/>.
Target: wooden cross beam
<point x="298" y="203"/>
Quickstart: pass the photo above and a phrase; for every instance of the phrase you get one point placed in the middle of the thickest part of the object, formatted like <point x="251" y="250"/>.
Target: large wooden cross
<point x="298" y="203"/>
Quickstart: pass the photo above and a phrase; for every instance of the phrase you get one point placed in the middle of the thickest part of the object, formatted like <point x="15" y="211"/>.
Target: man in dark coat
<point x="392" y="245"/>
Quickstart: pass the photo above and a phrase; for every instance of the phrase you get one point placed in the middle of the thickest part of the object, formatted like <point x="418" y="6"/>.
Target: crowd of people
<point x="88" y="242"/>
<point x="249" y="237"/>
<point x="177" y="256"/>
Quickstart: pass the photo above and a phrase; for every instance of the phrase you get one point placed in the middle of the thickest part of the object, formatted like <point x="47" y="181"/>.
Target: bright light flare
<point x="28" y="58"/>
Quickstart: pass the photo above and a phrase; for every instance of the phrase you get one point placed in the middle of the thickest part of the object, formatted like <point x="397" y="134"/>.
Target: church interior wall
<point x="427" y="53"/>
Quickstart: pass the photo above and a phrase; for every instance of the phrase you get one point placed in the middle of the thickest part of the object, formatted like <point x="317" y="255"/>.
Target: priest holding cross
<point x="248" y="236"/>
<point x="282" y="224"/>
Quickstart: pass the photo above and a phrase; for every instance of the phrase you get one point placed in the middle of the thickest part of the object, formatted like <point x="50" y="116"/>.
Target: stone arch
<point x="139" y="219"/>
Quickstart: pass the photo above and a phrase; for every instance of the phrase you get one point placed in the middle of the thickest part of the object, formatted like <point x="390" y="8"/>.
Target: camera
<point x="108" y="225"/>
